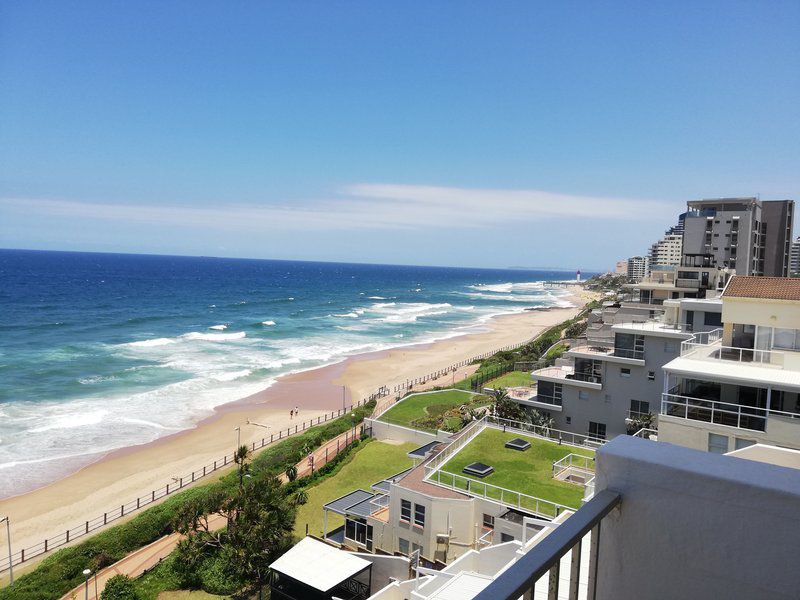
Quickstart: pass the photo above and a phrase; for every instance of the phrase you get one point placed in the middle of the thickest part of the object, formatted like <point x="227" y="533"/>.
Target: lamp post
<point x="86" y="573"/>
<point x="343" y="408"/>
<point x="10" y="562"/>
<point x="238" y="437"/>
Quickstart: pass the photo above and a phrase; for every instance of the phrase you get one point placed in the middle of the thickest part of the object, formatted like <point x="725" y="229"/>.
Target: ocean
<point x="103" y="351"/>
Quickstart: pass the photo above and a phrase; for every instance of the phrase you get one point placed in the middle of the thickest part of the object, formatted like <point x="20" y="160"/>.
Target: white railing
<point x="465" y="436"/>
<point x="577" y="462"/>
<point x="588" y="490"/>
<point x="715" y="351"/>
<point x="646" y="433"/>
<point x="719" y="413"/>
<point x="546" y="433"/>
<point x="511" y="498"/>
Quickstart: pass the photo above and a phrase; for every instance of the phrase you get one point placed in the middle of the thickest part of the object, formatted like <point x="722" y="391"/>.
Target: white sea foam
<point x="150" y="343"/>
<point x="376" y="298"/>
<point x="214" y="337"/>
<point x="219" y="327"/>
<point x="268" y="323"/>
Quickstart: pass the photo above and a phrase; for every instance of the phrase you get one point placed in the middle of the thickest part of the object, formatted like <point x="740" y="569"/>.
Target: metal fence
<point x="178" y="483"/>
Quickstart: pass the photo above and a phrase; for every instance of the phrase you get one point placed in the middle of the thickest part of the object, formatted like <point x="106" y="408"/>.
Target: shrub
<point x="119" y="587"/>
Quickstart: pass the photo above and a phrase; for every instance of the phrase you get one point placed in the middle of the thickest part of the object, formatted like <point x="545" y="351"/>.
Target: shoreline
<point x="121" y="475"/>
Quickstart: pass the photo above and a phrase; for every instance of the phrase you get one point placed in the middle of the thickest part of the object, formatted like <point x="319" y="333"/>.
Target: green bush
<point x="119" y="587"/>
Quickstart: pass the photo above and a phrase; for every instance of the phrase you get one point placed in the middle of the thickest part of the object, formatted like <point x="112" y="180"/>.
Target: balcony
<point x="568" y="375"/>
<point x="708" y="346"/>
<point x="598" y="349"/>
<point x="688" y="283"/>
<point x="728" y="414"/>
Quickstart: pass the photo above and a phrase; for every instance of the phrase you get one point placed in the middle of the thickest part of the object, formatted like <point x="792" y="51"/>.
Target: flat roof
<point x="774" y="455"/>
<point x="319" y="565"/>
<point x="765" y="288"/>
<point x="423" y="451"/>
<point x="345" y="504"/>
<point x="384" y="484"/>
<point x="463" y="586"/>
<point x="735" y="372"/>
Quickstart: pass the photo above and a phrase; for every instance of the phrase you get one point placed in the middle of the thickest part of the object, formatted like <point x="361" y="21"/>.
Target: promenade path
<point x="149" y="556"/>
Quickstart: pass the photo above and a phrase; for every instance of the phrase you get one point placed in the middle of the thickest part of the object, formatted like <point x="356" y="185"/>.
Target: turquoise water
<point x="102" y="351"/>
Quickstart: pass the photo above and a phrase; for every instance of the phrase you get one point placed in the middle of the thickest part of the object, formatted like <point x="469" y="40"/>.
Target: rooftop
<point x="319" y="565"/>
<point x="768" y="288"/>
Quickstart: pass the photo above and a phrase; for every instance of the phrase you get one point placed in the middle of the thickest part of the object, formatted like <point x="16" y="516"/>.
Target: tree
<point x="642" y="421"/>
<point x="505" y="408"/>
<point x="291" y="473"/>
<point x="119" y="587"/>
<point x="241" y="459"/>
<point x="300" y="497"/>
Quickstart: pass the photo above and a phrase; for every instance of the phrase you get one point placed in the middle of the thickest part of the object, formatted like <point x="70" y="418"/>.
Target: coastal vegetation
<point x="430" y="411"/>
<point x="62" y="571"/>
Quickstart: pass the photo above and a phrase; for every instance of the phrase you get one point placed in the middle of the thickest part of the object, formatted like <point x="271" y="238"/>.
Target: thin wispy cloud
<point x="363" y="206"/>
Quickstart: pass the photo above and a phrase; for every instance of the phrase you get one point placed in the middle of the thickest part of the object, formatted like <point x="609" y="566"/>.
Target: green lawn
<point x="372" y="462"/>
<point x="423" y="406"/>
<point x="529" y="472"/>
<point x="512" y="379"/>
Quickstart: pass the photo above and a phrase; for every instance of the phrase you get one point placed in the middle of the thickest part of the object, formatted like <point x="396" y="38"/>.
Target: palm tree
<point x="300" y="498"/>
<point x="291" y="473"/>
<point x="240" y="457"/>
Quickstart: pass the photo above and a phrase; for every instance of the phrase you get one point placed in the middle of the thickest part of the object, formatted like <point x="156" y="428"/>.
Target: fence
<point x="575" y="462"/>
<point x="548" y="433"/>
<point x="481" y="489"/>
<point x="178" y="483"/>
<point x="325" y="454"/>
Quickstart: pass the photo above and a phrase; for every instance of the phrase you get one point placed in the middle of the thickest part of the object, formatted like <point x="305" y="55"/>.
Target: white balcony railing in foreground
<point x="540" y="567"/>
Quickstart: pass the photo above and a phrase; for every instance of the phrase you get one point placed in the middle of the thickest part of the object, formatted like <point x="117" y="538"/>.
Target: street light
<point x="238" y="437"/>
<point x="343" y="408"/>
<point x="10" y="563"/>
<point x="86" y="573"/>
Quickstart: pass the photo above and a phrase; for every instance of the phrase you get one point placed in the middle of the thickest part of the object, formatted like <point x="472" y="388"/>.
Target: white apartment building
<point x="739" y="384"/>
<point x="621" y="268"/>
<point x="794" y="258"/>
<point x="667" y="251"/>
<point x="637" y="268"/>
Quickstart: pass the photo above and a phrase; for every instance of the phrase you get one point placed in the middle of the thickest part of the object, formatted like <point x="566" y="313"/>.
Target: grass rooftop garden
<point x="529" y="472"/>
<point x="512" y="379"/>
<point x="429" y="410"/>
<point x="370" y="463"/>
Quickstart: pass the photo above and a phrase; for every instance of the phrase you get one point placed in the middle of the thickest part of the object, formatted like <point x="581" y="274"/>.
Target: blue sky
<point x="562" y="134"/>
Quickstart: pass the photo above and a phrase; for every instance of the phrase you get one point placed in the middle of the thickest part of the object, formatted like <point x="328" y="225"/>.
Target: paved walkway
<point x="149" y="556"/>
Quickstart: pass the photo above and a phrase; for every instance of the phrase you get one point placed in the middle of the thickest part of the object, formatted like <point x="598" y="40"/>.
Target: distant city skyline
<point x="565" y="136"/>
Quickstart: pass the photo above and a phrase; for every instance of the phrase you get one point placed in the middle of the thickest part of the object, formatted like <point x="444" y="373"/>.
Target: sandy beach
<point x="125" y="474"/>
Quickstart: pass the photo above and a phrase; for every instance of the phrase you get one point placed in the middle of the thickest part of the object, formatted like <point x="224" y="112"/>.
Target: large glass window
<point x="712" y="319"/>
<point x="787" y="339"/>
<point x="402" y="545"/>
<point x="639" y="408"/>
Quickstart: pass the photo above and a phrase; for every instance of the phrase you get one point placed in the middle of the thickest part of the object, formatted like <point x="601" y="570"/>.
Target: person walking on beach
<point x="296" y="411"/>
<point x="291" y="414"/>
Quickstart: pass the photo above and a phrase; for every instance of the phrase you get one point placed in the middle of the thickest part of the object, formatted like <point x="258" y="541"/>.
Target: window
<point x="740" y="443"/>
<point x="651" y="375"/>
<point x="405" y="511"/>
<point x="583" y="395"/>
<point x="639" y="408"/>
<point x="718" y="444"/>
<point x="569" y="420"/>
<point x="597" y="430"/>
<point x="488" y="521"/>
<point x="670" y="347"/>
<point x="624" y="372"/>
<point x="419" y="515"/>
<point x="787" y="339"/>
<point x="505" y="537"/>
<point x="415" y="547"/>
<point x="402" y="545"/>
<point x="712" y="318"/>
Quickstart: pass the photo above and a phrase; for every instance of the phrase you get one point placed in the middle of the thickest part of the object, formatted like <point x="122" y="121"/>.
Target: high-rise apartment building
<point x="637" y="268"/>
<point x="794" y="258"/>
<point x="744" y="234"/>
<point x="667" y="251"/>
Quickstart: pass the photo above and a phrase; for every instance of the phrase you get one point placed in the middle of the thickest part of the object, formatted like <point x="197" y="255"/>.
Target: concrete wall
<point x="781" y="431"/>
<point x="388" y="431"/>
<point x="696" y="525"/>
<point x="385" y="567"/>
<point x="769" y="313"/>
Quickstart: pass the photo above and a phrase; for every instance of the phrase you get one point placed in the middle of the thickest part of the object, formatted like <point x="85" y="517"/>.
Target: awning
<point x="319" y="565"/>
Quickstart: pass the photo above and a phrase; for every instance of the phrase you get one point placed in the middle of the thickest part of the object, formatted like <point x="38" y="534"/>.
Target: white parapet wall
<point x="694" y="524"/>
<point x="400" y="433"/>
